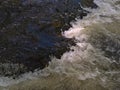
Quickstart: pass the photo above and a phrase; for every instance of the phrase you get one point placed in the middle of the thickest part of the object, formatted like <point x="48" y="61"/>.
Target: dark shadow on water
<point x="30" y="32"/>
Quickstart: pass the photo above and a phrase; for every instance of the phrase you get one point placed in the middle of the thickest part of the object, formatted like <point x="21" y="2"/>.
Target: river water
<point x="93" y="64"/>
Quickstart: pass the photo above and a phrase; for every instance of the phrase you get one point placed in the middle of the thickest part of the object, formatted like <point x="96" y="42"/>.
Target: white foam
<point x="80" y="61"/>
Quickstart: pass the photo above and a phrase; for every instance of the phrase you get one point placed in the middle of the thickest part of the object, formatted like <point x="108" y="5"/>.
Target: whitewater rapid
<point x="85" y="66"/>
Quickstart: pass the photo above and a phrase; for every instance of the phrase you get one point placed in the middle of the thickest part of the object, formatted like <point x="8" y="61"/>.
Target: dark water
<point x="31" y="32"/>
<point x="93" y="63"/>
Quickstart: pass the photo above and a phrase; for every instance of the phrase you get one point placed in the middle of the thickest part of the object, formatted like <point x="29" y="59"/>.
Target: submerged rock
<point x="30" y="32"/>
<point x="88" y="3"/>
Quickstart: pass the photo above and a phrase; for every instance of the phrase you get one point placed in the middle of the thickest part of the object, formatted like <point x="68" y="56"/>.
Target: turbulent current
<point x="93" y="64"/>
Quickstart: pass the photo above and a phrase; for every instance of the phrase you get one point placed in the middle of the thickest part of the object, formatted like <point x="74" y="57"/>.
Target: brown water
<point x="93" y="64"/>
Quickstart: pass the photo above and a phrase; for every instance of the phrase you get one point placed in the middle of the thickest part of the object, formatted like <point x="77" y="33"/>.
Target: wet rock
<point x="30" y="32"/>
<point x="88" y="3"/>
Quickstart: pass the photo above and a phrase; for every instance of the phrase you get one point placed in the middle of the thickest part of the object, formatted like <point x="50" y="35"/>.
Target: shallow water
<point x="93" y="64"/>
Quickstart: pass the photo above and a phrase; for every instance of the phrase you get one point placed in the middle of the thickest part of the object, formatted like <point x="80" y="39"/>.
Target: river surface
<point x="92" y="64"/>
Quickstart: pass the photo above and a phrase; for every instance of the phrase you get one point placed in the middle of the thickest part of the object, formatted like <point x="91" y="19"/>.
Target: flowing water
<point x="93" y="64"/>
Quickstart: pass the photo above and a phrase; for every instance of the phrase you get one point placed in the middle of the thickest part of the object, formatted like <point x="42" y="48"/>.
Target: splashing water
<point x="93" y="64"/>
